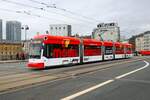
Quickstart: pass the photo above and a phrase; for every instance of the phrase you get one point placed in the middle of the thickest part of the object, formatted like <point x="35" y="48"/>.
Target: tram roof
<point x="118" y="44"/>
<point x="57" y="39"/>
<point x="127" y="45"/>
<point x="92" y="42"/>
<point x="107" y="43"/>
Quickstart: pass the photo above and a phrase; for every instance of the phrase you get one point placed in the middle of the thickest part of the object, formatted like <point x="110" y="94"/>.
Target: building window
<point x="99" y="26"/>
<point x="64" y="28"/>
<point x="51" y="28"/>
<point x="59" y="28"/>
<point x="111" y="24"/>
<point x="56" y="28"/>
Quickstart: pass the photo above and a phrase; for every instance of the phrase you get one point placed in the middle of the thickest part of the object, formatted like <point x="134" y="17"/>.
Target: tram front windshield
<point x="35" y="50"/>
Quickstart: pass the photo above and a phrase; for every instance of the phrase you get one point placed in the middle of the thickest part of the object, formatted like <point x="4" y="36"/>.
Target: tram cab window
<point x="108" y="50"/>
<point x="35" y="50"/>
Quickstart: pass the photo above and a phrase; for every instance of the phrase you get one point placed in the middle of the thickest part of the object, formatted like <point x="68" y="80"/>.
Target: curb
<point x="17" y="61"/>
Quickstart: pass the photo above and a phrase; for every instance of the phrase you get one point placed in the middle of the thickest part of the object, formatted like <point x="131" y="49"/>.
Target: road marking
<point x="87" y="90"/>
<point x="103" y="84"/>
<point x="124" y="75"/>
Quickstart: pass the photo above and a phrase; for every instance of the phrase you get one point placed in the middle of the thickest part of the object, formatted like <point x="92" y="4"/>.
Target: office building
<point x="60" y="30"/>
<point x="147" y="40"/>
<point x="143" y="41"/>
<point x="13" y="31"/>
<point x="1" y="29"/>
<point x="132" y="41"/>
<point x="139" y="41"/>
<point x="107" y="32"/>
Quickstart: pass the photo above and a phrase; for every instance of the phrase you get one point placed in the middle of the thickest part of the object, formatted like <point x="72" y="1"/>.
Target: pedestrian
<point x="17" y="56"/>
<point x="10" y="57"/>
<point x="23" y="56"/>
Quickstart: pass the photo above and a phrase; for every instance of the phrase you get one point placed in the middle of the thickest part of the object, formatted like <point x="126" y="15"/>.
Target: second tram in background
<point x="46" y="51"/>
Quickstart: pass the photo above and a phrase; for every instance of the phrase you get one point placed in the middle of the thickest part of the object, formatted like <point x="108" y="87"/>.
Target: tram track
<point x="26" y="79"/>
<point x="49" y="72"/>
<point x="8" y="72"/>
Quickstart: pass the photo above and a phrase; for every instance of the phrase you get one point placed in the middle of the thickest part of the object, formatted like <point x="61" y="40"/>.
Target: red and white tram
<point x="49" y="50"/>
<point x="144" y="52"/>
<point x="46" y="51"/>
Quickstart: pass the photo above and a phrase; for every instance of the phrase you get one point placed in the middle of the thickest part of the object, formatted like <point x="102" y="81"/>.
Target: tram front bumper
<point x="35" y="65"/>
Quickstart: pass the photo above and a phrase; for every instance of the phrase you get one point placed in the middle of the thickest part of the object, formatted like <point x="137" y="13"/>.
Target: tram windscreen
<point x="35" y="50"/>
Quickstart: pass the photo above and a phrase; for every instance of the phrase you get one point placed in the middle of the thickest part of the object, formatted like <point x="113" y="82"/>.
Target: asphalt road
<point x="130" y="81"/>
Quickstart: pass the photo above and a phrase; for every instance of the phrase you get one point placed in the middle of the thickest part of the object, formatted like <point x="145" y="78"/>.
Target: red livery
<point x="145" y="52"/>
<point x="46" y="51"/>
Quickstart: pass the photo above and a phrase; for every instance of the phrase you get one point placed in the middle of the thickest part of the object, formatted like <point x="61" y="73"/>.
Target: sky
<point x="132" y="16"/>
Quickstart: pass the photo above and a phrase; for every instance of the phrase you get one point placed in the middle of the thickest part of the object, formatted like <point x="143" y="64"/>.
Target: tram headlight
<point x="45" y="38"/>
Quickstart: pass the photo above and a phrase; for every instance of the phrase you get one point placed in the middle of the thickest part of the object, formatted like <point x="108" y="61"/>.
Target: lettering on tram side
<point x="74" y="60"/>
<point x="65" y="60"/>
<point x="86" y="59"/>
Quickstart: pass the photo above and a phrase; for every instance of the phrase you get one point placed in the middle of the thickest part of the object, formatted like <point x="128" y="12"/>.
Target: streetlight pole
<point x="25" y="28"/>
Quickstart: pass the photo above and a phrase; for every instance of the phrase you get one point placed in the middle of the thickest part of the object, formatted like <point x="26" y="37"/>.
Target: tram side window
<point x="48" y="51"/>
<point x="57" y="51"/>
<point x="73" y="51"/>
<point x="119" y="50"/>
<point x="92" y="50"/>
<point x="108" y="50"/>
<point x="129" y="50"/>
<point x="70" y="51"/>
